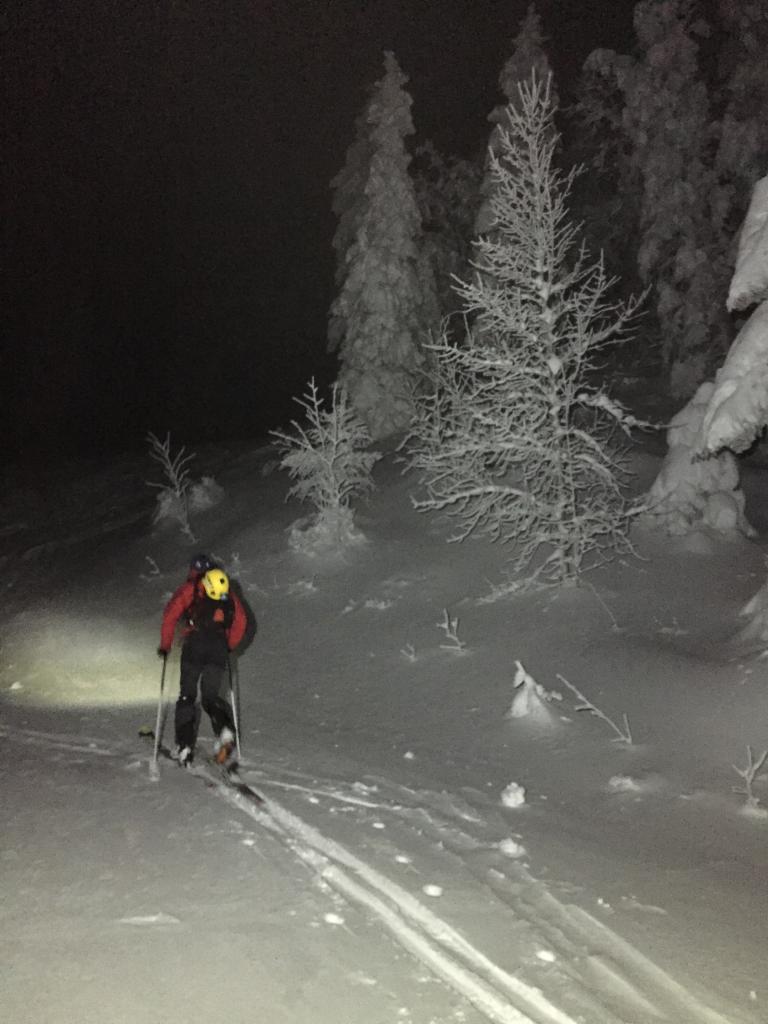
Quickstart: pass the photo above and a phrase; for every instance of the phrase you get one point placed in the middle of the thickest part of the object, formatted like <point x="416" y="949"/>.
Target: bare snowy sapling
<point x="174" y="494"/>
<point x="409" y="652"/>
<point x="329" y="458"/>
<point x="752" y="803"/>
<point x="622" y="735"/>
<point x="516" y="438"/>
<point x="451" y="629"/>
<point x="154" y="569"/>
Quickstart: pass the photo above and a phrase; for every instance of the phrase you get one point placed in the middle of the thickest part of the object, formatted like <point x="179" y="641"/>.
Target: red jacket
<point x="179" y="604"/>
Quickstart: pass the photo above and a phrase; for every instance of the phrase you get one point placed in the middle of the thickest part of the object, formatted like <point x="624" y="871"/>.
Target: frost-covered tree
<point x="528" y="58"/>
<point x="448" y="195"/>
<point x="515" y="439"/>
<point x="386" y="304"/>
<point x="329" y="457"/>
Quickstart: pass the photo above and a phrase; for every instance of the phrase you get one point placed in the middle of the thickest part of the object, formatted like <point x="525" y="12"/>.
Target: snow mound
<point x="531" y="699"/>
<point x="632" y="784"/>
<point x="511" y="848"/>
<point x="325" y="534"/>
<point x="205" y="494"/>
<point x="513" y="795"/>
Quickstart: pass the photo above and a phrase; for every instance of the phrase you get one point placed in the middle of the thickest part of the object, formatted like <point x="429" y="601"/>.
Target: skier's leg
<point x="187" y="714"/>
<point x="214" y="704"/>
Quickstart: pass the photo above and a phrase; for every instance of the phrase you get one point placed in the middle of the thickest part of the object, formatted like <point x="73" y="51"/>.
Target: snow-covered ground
<point x="423" y="858"/>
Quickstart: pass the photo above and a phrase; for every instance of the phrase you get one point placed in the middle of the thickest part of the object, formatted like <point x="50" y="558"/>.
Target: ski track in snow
<point x="602" y="977"/>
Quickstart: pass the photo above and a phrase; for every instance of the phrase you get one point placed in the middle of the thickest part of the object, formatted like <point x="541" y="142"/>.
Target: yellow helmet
<point x="216" y="584"/>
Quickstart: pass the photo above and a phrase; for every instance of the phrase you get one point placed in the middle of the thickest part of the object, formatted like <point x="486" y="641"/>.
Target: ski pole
<point x="234" y="698"/>
<point x="154" y="772"/>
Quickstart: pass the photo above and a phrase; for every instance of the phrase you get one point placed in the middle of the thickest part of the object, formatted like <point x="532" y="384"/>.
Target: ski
<point x="211" y="772"/>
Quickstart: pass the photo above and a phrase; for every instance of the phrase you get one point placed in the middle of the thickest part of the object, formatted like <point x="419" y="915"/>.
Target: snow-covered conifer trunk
<point x="387" y="302"/>
<point x="515" y="439"/>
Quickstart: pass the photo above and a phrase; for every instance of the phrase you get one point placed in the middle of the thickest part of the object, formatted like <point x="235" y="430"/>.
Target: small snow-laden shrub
<point x="329" y="458"/>
<point x="515" y="440"/>
<point x="205" y="494"/>
<point x="173" y="498"/>
<point x="750" y="773"/>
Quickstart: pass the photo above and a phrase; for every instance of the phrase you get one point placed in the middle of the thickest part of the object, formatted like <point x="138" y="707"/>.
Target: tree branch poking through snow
<point x="622" y="735"/>
<point x="752" y="803"/>
<point x="451" y="629"/>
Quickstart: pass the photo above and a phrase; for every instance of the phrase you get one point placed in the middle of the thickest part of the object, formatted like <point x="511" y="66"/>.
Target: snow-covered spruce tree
<point x="738" y="407"/>
<point x="329" y="458"/>
<point x="515" y="439"/>
<point x="697" y="141"/>
<point x="605" y="199"/>
<point x="698" y="484"/>
<point x="669" y="122"/>
<point x="742" y="151"/>
<point x="349" y="199"/>
<point x="387" y="304"/>
<point x="448" y="194"/>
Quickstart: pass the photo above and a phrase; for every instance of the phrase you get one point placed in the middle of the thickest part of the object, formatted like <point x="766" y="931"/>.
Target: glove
<point x="161" y="652"/>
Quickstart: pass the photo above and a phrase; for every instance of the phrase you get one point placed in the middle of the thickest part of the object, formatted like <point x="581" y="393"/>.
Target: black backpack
<point x="205" y="615"/>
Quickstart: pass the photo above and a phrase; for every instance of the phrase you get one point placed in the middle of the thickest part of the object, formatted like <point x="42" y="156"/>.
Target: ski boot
<point x="185" y="756"/>
<point x="225" y="750"/>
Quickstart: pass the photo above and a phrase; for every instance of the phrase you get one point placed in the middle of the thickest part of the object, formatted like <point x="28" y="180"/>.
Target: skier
<point x="215" y="625"/>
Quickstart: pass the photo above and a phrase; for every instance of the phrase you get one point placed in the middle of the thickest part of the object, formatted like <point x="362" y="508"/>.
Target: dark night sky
<point x="166" y="169"/>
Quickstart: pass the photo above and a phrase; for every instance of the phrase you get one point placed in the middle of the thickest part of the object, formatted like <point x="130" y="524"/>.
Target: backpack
<point x="205" y="615"/>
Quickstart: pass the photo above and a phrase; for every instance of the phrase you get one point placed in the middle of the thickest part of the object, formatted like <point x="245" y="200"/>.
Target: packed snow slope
<point x="423" y="857"/>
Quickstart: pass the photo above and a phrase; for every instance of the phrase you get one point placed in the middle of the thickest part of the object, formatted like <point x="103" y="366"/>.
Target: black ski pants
<point x="208" y="676"/>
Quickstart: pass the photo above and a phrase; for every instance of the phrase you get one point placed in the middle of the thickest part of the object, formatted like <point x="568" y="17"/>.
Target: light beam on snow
<point x="58" y="660"/>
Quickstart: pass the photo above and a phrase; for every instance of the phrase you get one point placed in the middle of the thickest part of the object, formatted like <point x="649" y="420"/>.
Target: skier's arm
<point x="178" y="604"/>
<point x="236" y="631"/>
